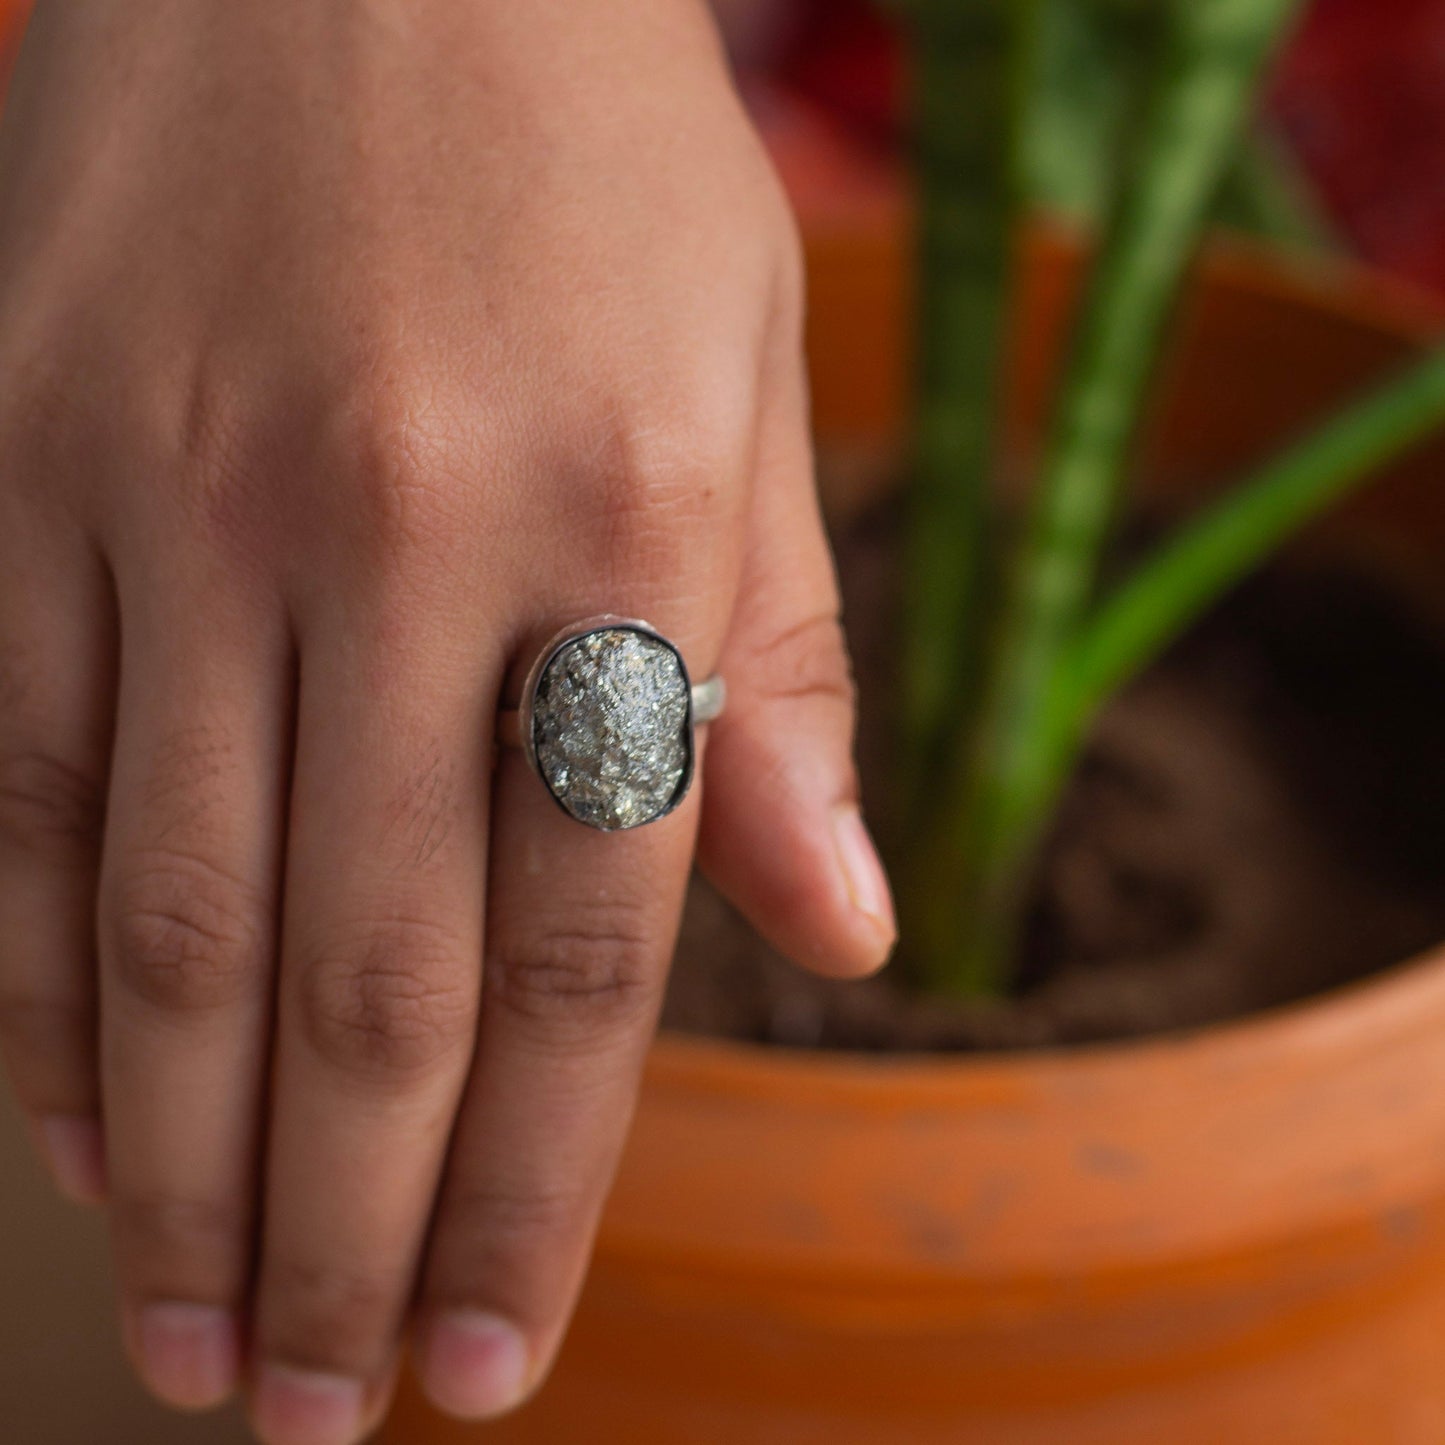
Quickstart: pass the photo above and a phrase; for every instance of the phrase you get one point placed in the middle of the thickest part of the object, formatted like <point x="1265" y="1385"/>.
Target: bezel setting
<point x="586" y="798"/>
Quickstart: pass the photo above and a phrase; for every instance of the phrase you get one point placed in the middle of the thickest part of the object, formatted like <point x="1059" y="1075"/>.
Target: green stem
<point x="1265" y="193"/>
<point x="962" y="55"/>
<point x="1213" y="50"/>
<point x="1087" y="93"/>
<point x="1208" y="556"/>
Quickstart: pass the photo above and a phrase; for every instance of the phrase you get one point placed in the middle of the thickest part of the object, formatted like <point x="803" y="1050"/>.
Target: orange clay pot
<point x="1221" y="1239"/>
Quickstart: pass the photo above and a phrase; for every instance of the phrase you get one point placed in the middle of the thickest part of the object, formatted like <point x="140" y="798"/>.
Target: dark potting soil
<point x="1258" y="818"/>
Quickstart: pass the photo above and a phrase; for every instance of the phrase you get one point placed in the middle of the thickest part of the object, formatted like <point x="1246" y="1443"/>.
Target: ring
<point x="607" y="721"/>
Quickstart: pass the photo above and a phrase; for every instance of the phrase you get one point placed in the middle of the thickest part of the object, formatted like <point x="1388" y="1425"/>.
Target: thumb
<point x="781" y="835"/>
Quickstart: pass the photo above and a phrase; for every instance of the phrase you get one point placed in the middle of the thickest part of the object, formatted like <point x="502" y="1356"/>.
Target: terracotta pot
<point x="1233" y="1236"/>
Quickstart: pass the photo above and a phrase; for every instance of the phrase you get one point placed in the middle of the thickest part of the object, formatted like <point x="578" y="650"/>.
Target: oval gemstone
<point x="611" y="728"/>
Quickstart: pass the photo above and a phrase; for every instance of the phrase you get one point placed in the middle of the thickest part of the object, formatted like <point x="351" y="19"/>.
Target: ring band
<point x="607" y="721"/>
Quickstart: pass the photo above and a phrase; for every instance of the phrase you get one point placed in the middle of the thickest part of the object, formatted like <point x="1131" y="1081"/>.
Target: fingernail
<point x="862" y="872"/>
<point x="306" y="1407"/>
<point x="473" y="1364"/>
<point x="74" y="1147"/>
<point x="188" y="1354"/>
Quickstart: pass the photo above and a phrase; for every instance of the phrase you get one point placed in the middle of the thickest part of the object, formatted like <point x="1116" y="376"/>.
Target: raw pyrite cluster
<point x="610" y="727"/>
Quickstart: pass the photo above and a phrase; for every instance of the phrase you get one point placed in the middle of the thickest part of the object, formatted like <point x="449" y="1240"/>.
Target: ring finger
<point x="581" y="925"/>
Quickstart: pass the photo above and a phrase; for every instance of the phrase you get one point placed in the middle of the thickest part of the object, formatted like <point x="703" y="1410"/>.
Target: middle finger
<point x="380" y="974"/>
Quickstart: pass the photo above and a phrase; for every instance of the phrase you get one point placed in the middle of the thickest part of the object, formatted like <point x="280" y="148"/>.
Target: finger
<point x="380" y="977"/>
<point x="57" y="649"/>
<point x="580" y="930"/>
<point x="188" y="899"/>
<point x="782" y="835"/>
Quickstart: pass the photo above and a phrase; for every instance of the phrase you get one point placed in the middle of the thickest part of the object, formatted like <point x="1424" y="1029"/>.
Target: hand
<point x="347" y="349"/>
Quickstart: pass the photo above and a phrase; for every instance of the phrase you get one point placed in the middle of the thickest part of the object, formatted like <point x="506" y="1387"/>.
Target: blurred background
<point x="1354" y="118"/>
<point x="1352" y="140"/>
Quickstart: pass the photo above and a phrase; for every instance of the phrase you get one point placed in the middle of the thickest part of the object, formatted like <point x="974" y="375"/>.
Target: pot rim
<point x="1381" y="1003"/>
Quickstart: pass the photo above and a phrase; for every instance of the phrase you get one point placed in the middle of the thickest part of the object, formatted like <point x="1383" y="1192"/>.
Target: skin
<point x="347" y="349"/>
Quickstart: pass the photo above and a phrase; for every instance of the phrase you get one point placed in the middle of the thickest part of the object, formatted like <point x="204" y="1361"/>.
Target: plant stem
<point x="1213" y="51"/>
<point x="1086" y="97"/>
<point x="963" y="53"/>
<point x="1193" y="568"/>
<point x="1265" y="193"/>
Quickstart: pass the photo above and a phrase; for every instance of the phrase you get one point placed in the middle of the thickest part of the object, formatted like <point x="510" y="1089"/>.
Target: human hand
<point x="347" y="349"/>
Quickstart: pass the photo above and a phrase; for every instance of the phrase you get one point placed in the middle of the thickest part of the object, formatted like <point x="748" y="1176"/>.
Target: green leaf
<point x="1006" y="776"/>
<point x="1208" y="556"/>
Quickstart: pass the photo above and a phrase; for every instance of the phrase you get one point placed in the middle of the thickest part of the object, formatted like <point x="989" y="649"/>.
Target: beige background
<point x="63" y="1380"/>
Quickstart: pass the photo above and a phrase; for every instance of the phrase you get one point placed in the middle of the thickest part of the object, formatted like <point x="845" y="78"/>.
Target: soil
<point x="1256" y="819"/>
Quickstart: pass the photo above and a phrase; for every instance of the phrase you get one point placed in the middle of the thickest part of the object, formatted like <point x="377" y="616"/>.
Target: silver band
<point x="709" y="698"/>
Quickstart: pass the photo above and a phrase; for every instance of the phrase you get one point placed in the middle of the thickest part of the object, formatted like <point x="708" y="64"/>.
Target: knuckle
<point x="214" y="446"/>
<point x="504" y="1219"/>
<point x="44" y="419"/>
<point x="579" y="977"/>
<point x="397" y="444"/>
<point x="184" y="936"/>
<point x="326" y="1316"/>
<point x="50" y="1049"/>
<point x="49" y="807"/>
<point x="667" y="470"/>
<point x="808" y="660"/>
<point x="40" y="402"/>
<point x="216" y="433"/>
<point x="30" y="1022"/>
<point x="396" y="1006"/>
<point x="672" y="456"/>
<point x="157" y="1235"/>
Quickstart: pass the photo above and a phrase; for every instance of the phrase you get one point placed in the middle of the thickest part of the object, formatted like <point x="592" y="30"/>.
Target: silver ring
<point x="607" y="721"/>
